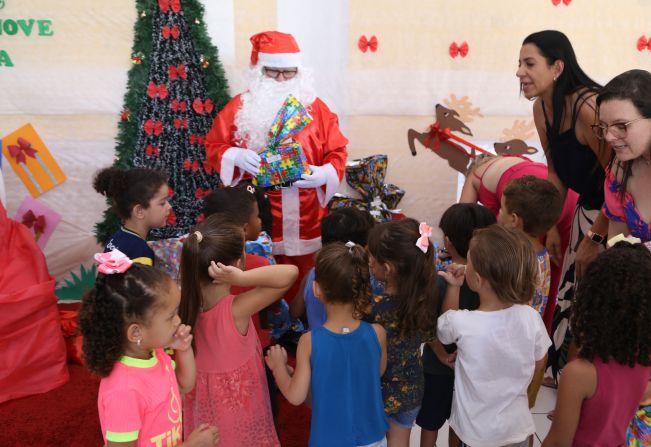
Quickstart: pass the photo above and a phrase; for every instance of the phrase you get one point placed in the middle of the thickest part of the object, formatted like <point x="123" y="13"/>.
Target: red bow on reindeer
<point x="367" y="44"/>
<point x="166" y="5"/>
<point x="203" y="107"/>
<point x="30" y="220"/>
<point x="153" y="127"/>
<point x="23" y="148"/>
<point x="168" y="32"/>
<point x="177" y="71"/>
<point x="459" y="50"/>
<point x="177" y="105"/>
<point x="643" y="44"/>
<point x="153" y="90"/>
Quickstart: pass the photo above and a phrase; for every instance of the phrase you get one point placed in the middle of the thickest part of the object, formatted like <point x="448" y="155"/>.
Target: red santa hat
<point x="275" y="49"/>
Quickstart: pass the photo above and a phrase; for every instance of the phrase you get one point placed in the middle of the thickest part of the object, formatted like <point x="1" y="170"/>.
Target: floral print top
<point x="403" y="381"/>
<point x="625" y="211"/>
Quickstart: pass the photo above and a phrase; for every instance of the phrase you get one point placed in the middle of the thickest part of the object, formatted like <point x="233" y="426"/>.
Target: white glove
<point x="247" y="160"/>
<point x="314" y="180"/>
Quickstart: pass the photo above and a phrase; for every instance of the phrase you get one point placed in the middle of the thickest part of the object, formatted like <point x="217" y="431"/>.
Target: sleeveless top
<point x="606" y="415"/>
<point x="624" y="211"/>
<point x="577" y="165"/>
<point x="347" y="407"/>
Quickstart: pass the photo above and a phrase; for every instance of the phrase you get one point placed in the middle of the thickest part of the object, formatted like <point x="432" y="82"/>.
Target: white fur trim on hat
<point x="279" y="60"/>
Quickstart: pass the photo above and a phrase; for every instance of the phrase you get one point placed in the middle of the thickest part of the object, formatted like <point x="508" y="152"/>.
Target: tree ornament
<point x="204" y="61"/>
<point x="124" y="116"/>
<point x="137" y="57"/>
<point x="197" y="22"/>
<point x="143" y="14"/>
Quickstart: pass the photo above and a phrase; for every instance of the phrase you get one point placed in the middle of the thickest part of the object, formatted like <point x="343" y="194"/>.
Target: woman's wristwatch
<point x="596" y="237"/>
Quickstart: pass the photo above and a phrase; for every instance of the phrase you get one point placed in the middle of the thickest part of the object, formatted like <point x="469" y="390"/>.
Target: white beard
<point x="261" y="102"/>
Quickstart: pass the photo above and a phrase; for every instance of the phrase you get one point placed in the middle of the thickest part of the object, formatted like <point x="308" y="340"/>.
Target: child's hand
<point x="182" y="339"/>
<point x="203" y="436"/>
<point x="451" y="360"/>
<point x="454" y="274"/>
<point x="224" y="274"/>
<point x="276" y="357"/>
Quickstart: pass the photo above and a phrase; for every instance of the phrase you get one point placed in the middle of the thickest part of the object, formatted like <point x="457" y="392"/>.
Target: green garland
<point x="215" y="82"/>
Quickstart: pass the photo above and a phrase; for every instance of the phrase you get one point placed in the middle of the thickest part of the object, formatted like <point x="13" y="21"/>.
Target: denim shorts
<point x="405" y="419"/>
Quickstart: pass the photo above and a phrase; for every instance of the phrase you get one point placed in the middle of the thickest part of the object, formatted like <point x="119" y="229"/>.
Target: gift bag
<point x="33" y="356"/>
<point x="283" y="161"/>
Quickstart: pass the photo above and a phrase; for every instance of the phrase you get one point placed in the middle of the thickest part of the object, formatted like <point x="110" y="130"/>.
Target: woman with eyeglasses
<point x="564" y="110"/>
<point x="625" y="125"/>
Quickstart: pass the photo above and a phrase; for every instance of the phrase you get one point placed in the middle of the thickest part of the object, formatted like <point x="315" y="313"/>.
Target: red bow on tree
<point x="170" y="192"/>
<point x="367" y="44"/>
<point x="176" y="105"/>
<point x="153" y="127"/>
<point x="23" y="148"/>
<point x="203" y="107"/>
<point x="187" y="165"/>
<point x="197" y="139"/>
<point x="200" y="193"/>
<point x="168" y="32"/>
<point x="177" y="71"/>
<point x="151" y="150"/>
<point x="30" y="220"/>
<point x="153" y="90"/>
<point x="171" y="218"/>
<point x="207" y="167"/>
<point x="643" y="44"/>
<point x="180" y="122"/>
<point x="459" y="50"/>
<point x="165" y="5"/>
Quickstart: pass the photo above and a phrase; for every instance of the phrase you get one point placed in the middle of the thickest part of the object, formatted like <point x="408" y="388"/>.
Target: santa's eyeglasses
<point x="288" y="73"/>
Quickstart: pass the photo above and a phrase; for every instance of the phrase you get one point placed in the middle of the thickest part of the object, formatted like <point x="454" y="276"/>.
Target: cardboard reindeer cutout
<point x="438" y="139"/>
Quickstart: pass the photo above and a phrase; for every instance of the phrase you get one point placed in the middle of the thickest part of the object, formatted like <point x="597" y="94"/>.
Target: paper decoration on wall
<point x="558" y="2"/>
<point x="514" y="147"/>
<point x="463" y="107"/>
<point x="39" y="218"/>
<point x="32" y="161"/>
<point x="366" y="176"/>
<point x="365" y="44"/>
<point x="520" y="130"/>
<point x="458" y="49"/>
<point x="74" y="288"/>
<point x="643" y="44"/>
<point x="438" y="139"/>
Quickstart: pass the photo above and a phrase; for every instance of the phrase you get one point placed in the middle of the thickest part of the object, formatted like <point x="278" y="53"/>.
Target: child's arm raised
<point x="296" y="387"/>
<point x="579" y="383"/>
<point x="270" y="283"/>
<point x="382" y="338"/>
<point x="186" y="368"/>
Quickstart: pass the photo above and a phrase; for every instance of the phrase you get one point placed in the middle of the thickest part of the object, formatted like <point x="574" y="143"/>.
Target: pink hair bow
<point x="423" y="241"/>
<point x="112" y="262"/>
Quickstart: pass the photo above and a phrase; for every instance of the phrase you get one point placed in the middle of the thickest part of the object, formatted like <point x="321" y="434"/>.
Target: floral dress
<point x="624" y="210"/>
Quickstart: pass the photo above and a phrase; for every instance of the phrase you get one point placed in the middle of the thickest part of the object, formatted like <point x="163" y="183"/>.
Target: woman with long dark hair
<point x="564" y="110"/>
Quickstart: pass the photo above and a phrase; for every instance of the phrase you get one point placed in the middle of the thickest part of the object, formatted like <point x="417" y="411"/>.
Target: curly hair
<point x="127" y="188"/>
<point x="343" y="276"/>
<point x="115" y="302"/>
<point x="394" y="242"/>
<point x="612" y="309"/>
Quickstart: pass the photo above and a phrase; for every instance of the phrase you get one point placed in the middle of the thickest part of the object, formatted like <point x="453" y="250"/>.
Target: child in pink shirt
<point x="231" y="390"/>
<point x="126" y="320"/>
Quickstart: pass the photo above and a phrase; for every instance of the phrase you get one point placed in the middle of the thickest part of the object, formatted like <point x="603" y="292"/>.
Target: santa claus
<point x="239" y="133"/>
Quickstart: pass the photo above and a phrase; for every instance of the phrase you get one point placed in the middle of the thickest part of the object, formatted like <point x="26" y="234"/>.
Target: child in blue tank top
<point x="339" y="364"/>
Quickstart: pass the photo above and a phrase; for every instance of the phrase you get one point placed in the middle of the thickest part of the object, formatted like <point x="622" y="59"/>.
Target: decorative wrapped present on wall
<point x="366" y="176"/>
<point x="32" y="161"/>
<point x="283" y="161"/>
<point x="39" y="218"/>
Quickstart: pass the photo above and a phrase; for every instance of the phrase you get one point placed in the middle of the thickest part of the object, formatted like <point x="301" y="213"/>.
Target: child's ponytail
<point x="191" y="278"/>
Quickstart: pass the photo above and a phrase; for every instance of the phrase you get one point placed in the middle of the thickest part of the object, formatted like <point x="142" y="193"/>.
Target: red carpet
<point x="67" y="416"/>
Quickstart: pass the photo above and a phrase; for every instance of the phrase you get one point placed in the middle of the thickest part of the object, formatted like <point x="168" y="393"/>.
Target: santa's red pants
<point x="304" y="264"/>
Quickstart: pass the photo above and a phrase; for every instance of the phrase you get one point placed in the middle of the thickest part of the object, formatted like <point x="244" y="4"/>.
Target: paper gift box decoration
<point x="366" y="176"/>
<point x="39" y="218"/>
<point x="283" y="161"/>
<point x="31" y="160"/>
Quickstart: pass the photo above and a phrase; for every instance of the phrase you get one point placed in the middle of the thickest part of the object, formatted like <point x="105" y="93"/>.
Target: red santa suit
<point x="296" y="212"/>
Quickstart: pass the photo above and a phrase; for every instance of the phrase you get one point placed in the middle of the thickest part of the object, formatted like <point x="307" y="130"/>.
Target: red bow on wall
<point x="170" y="32"/>
<point x="24" y="148"/>
<point x="558" y="2"/>
<point x="153" y="90"/>
<point x="177" y="71"/>
<point x="165" y="5"/>
<point x="459" y="50"/>
<point x="643" y="44"/>
<point x="203" y="107"/>
<point x="177" y="105"/>
<point x="30" y="220"/>
<point x="153" y="127"/>
<point x="367" y="44"/>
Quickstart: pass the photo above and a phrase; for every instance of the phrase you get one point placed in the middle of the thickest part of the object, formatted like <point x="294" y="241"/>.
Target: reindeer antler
<point x="463" y="107"/>
<point x="520" y="130"/>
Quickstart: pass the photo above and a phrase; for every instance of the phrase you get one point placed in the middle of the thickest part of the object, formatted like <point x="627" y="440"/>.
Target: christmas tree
<point x="176" y="86"/>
